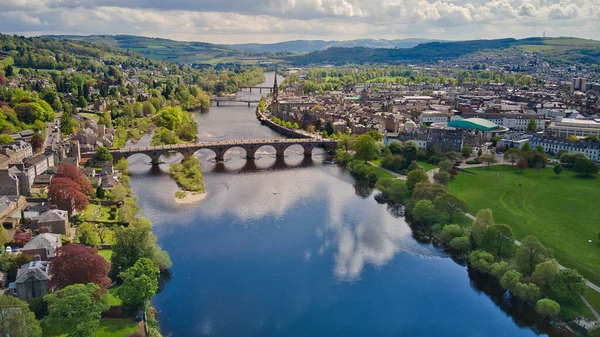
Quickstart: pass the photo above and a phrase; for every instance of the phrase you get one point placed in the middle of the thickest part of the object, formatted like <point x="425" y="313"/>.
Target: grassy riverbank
<point x="561" y="211"/>
<point x="188" y="175"/>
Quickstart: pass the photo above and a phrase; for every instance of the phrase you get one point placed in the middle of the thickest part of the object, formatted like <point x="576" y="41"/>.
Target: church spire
<point x="275" y="88"/>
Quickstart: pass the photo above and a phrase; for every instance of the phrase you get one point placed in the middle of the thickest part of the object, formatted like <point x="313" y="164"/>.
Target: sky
<point x="268" y="21"/>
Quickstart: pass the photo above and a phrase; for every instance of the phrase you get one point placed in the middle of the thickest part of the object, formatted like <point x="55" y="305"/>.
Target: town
<point x="72" y="227"/>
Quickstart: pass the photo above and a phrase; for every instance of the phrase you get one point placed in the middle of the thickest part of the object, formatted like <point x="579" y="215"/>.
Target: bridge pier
<point x="217" y="103"/>
<point x="308" y="150"/>
<point x="155" y="159"/>
<point x="279" y="151"/>
<point x="220" y="155"/>
<point x="251" y="153"/>
<point x="250" y="89"/>
<point x="248" y="103"/>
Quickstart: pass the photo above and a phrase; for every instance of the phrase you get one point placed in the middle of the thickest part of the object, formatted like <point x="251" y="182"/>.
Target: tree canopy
<point x="16" y="319"/>
<point x="76" y="263"/>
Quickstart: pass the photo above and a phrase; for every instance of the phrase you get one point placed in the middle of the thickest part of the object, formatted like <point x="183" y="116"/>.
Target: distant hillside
<point x="302" y="46"/>
<point x="162" y="49"/>
<point x="558" y="50"/>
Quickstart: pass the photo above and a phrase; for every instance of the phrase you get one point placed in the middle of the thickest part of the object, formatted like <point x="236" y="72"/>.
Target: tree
<point x="499" y="240"/>
<point x="527" y="292"/>
<point x="375" y="135"/>
<point x="366" y="148"/>
<point x="445" y="165"/>
<point x="76" y="263"/>
<point x="467" y="151"/>
<point x="346" y="142"/>
<point x="88" y="235"/>
<point x="100" y="194"/>
<point x="522" y="164"/>
<point x="6" y="139"/>
<point x="479" y="153"/>
<point x="585" y="167"/>
<point x="594" y="331"/>
<point x="532" y="126"/>
<point x="424" y="212"/>
<point x="450" y="232"/>
<point x="557" y="169"/>
<point x="545" y="273"/>
<point x="395" y="147"/>
<point x="462" y="243"/>
<point x="530" y="254"/>
<point x="131" y="244"/>
<point x="482" y="261"/>
<point x="140" y="283"/>
<point x="483" y="220"/>
<point x="409" y="151"/>
<point x="37" y="142"/>
<point x="568" y="284"/>
<point x="499" y="269"/>
<point x="73" y="173"/>
<point x="103" y="154"/>
<point x="488" y="158"/>
<point x="442" y="177"/>
<point x="77" y="309"/>
<point x="82" y="102"/>
<point x="449" y="205"/>
<point x="393" y="162"/>
<point x="513" y="155"/>
<point x="526" y="147"/>
<point x="10" y="71"/>
<point x="425" y="190"/>
<point x="16" y="319"/>
<point x="414" y="177"/>
<point x="329" y="128"/>
<point x="66" y="194"/>
<point x="510" y="279"/>
<point x="548" y="308"/>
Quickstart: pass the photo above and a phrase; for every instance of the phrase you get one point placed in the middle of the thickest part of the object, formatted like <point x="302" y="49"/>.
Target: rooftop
<point x="474" y="124"/>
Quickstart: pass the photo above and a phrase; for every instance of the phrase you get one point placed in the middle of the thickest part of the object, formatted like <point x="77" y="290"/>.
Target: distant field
<point x="533" y="48"/>
<point x="561" y="211"/>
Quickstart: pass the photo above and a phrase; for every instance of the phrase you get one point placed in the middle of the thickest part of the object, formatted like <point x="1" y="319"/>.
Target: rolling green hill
<point x="555" y="50"/>
<point x="301" y="46"/>
<point x="164" y="49"/>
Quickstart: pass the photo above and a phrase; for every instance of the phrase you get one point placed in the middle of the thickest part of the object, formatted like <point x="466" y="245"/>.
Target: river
<point x="295" y="247"/>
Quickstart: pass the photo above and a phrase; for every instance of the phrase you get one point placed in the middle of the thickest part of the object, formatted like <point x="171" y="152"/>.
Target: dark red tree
<point x="37" y="142"/>
<point x="76" y="263"/>
<point x="67" y="195"/>
<point x="3" y="80"/>
<point x="21" y="237"/>
<point x="522" y="164"/>
<point x="71" y="172"/>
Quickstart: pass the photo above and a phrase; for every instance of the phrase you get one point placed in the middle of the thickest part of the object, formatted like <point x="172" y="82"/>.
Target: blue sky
<point x="241" y="21"/>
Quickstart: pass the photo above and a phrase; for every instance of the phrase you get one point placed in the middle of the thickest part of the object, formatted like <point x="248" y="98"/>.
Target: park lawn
<point x="90" y="210"/>
<point x="377" y="161"/>
<point x="106" y="253"/>
<point x="381" y="174"/>
<point x="593" y="297"/>
<point x="113" y="300"/>
<point x="427" y="166"/>
<point x="561" y="211"/>
<point x="109" y="327"/>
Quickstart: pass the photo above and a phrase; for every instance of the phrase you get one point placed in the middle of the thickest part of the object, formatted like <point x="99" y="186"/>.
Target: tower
<point x="275" y="89"/>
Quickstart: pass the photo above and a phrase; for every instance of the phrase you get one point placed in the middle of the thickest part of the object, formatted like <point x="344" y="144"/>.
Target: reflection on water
<point x="295" y="247"/>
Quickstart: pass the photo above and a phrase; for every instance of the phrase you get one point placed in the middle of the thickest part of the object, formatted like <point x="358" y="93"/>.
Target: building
<point x="14" y="153"/>
<point x="432" y="116"/>
<point x="488" y="128"/>
<point x="553" y="146"/>
<point x="578" y="84"/>
<point x="9" y="204"/>
<point x="513" y="121"/>
<point x="565" y="127"/>
<point x="32" y="280"/>
<point x="53" y="221"/>
<point x="44" y="245"/>
<point x="9" y="182"/>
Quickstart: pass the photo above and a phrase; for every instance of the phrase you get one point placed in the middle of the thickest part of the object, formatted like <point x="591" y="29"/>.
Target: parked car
<point x="8" y="249"/>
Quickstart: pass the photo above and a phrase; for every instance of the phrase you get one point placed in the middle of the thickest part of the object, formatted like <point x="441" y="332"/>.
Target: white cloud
<point x="276" y="20"/>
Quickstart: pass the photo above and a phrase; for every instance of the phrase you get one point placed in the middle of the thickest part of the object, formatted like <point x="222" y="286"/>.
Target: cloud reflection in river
<point x="360" y="232"/>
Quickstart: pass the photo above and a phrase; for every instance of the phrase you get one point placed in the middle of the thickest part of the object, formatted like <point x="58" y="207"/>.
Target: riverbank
<point x="185" y="197"/>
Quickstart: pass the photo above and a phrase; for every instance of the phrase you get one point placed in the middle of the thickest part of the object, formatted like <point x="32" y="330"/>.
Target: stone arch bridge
<point x="219" y="148"/>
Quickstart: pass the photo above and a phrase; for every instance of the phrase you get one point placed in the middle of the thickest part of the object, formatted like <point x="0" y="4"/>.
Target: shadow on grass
<point x="584" y="177"/>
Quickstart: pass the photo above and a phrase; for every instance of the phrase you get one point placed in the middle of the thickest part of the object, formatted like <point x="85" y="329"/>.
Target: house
<point x="32" y="280"/>
<point x="9" y="182"/>
<point x="44" y="245"/>
<point x="8" y="204"/>
<point x="107" y="169"/>
<point x="108" y="182"/>
<point x="53" y="221"/>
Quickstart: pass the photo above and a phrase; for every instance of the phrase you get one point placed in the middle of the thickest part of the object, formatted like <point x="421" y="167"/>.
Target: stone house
<point x="32" y="280"/>
<point x="53" y="221"/>
<point x="44" y="245"/>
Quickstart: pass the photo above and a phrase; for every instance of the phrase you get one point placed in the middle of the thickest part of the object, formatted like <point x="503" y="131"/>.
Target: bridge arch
<point x="231" y="151"/>
<point x="265" y="149"/>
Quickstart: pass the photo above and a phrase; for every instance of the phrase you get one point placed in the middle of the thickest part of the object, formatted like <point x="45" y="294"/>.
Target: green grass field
<point x="109" y="327"/>
<point x="106" y="253"/>
<point x="427" y="166"/>
<point x="113" y="300"/>
<point x="561" y="211"/>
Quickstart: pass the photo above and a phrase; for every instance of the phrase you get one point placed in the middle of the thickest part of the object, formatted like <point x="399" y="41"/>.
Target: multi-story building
<point x="14" y="153"/>
<point x="553" y="145"/>
<point x="514" y="121"/>
<point x="565" y="127"/>
<point x="578" y="83"/>
<point x="433" y="116"/>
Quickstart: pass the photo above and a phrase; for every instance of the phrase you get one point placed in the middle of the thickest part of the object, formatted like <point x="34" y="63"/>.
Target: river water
<point x="295" y="247"/>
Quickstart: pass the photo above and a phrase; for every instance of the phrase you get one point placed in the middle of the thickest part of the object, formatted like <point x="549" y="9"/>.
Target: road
<point x="51" y="136"/>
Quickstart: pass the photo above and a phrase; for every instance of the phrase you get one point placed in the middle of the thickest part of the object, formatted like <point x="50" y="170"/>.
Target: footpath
<point x="431" y="173"/>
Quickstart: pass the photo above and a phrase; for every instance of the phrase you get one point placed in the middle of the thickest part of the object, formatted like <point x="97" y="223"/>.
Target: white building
<point x="433" y="116"/>
<point x="565" y="127"/>
<point x="513" y="121"/>
<point x="553" y="146"/>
